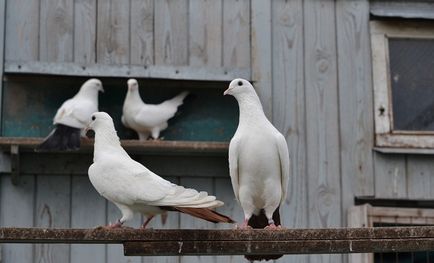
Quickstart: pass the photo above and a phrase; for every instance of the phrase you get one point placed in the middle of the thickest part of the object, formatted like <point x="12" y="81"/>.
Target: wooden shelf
<point x="27" y="144"/>
<point x="127" y="71"/>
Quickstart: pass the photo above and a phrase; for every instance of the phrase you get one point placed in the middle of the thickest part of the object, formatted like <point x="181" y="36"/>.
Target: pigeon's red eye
<point x="93" y="118"/>
<point x="240" y="83"/>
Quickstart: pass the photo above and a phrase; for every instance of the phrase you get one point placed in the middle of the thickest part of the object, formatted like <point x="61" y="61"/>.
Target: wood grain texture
<point x="390" y="176"/>
<point x="22" y="30"/>
<point x="85" y="12"/>
<point x="53" y="199"/>
<point x="205" y="33"/>
<point x="231" y="208"/>
<point x="261" y="52"/>
<point x="171" y="32"/>
<point x="88" y="210"/>
<point x="420" y="180"/>
<point x="17" y="209"/>
<point x="236" y="33"/>
<point x="113" y="36"/>
<point x="189" y="222"/>
<point x="322" y="118"/>
<point x="56" y="31"/>
<point x="142" y="32"/>
<point x="2" y="50"/>
<point x="355" y="100"/>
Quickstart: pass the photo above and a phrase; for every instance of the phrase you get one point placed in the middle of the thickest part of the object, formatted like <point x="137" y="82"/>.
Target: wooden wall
<point x="311" y="64"/>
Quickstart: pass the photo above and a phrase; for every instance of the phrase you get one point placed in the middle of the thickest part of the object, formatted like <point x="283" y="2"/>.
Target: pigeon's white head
<point x="238" y="87"/>
<point x="92" y="86"/>
<point x="132" y="85"/>
<point x="101" y="122"/>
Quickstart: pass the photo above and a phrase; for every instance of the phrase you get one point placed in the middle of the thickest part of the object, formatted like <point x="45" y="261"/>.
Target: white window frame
<point x="385" y="135"/>
<point x="367" y="215"/>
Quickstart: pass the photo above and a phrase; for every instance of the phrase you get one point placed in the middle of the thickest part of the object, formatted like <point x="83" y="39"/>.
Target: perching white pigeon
<point x="148" y="119"/>
<point x="72" y="117"/>
<point x="133" y="188"/>
<point x="258" y="162"/>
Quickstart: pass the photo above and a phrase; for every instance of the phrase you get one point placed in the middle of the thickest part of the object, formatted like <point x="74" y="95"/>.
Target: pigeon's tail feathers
<point x="206" y="214"/>
<point x="179" y="99"/>
<point x="260" y="221"/>
<point x="62" y="138"/>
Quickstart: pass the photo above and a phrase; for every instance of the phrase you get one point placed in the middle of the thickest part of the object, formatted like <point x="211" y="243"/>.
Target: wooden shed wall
<point x="311" y="64"/>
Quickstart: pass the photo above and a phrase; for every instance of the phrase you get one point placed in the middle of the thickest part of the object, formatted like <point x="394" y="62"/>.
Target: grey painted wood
<point x="355" y="101"/>
<point x="231" y="208"/>
<point x="22" y="30"/>
<point x="322" y="118"/>
<point x="2" y="52"/>
<point x="187" y="221"/>
<point x="405" y="9"/>
<point x="236" y="33"/>
<point x="113" y="34"/>
<point x="261" y="52"/>
<point x="17" y="209"/>
<point x="56" y="30"/>
<point x="171" y="32"/>
<point x="88" y="210"/>
<point x="85" y="31"/>
<point x="115" y="252"/>
<point x="390" y="176"/>
<point x="142" y="32"/>
<point x="99" y="70"/>
<point x="205" y="33"/>
<point x="420" y="180"/>
<point x="53" y="202"/>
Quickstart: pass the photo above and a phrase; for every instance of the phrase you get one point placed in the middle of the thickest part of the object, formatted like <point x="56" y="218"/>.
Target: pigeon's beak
<point x="226" y="91"/>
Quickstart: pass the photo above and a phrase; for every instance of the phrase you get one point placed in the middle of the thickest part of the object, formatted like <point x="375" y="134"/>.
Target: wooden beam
<point x="127" y="71"/>
<point x="132" y="146"/>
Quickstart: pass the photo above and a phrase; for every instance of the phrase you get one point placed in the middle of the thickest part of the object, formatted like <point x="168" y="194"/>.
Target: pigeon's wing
<point x="75" y="113"/>
<point x="154" y="115"/>
<point x="233" y="164"/>
<point x="282" y="148"/>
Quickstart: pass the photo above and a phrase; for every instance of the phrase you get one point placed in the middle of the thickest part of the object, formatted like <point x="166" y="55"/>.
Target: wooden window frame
<point x="366" y="215"/>
<point x="385" y="135"/>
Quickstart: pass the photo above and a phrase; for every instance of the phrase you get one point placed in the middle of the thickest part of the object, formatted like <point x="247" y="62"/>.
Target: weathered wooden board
<point x="22" y="30"/>
<point x="88" y="210"/>
<point x="52" y="209"/>
<point x="85" y="12"/>
<point x="142" y="32"/>
<point x="56" y="30"/>
<point x="420" y="180"/>
<point x="205" y="33"/>
<point x="390" y="176"/>
<point x="322" y="118"/>
<point x="355" y="100"/>
<point x="17" y="209"/>
<point x="30" y="104"/>
<point x="171" y="32"/>
<point x="113" y="34"/>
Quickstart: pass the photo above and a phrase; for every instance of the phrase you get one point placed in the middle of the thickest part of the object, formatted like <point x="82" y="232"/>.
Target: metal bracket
<point x="15" y="164"/>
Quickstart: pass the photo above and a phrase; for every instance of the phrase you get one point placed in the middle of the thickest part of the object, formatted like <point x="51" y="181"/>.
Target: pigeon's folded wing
<point x="282" y="148"/>
<point x="154" y="115"/>
<point x="75" y="113"/>
<point x="233" y="165"/>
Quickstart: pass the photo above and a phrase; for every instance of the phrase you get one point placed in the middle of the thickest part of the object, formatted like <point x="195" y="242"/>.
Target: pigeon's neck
<point x="251" y="110"/>
<point x="88" y="93"/>
<point x="107" y="142"/>
<point x="134" y="97"/>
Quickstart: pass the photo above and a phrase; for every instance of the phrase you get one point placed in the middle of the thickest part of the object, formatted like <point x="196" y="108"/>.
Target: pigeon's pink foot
<point x="273" y="227"/>
<point x="244" y="225"/>
<point x="146" y="222"/>
<point x="115" y="225"/>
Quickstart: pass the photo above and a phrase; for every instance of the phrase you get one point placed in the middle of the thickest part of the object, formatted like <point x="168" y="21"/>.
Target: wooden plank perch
<point x="139" y="242"/>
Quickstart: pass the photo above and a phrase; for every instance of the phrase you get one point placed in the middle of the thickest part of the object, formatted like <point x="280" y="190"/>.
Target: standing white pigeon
<point x="72" y="117"/>
<point x="133" y="188"/>
<point x="148" y="119"/>
<point x="258" y="162"/>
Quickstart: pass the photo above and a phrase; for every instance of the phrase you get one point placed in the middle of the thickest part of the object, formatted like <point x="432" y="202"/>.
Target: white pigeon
<point x="72" y="117"/>
<point x="135" y="189"/>
<point x="258" y="162"/>
<point x="148" y="119"/>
